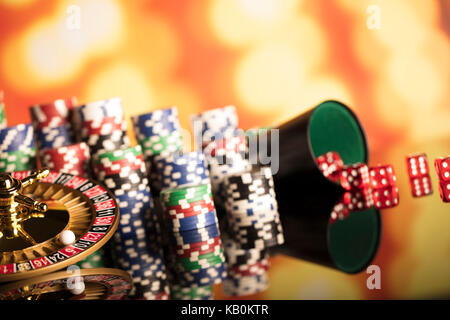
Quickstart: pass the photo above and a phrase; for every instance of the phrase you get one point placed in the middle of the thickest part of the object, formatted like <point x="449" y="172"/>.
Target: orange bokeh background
<point x="272" y="59"/>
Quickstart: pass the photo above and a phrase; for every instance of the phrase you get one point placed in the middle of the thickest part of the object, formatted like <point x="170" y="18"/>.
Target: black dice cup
<point x="306" y="197"/>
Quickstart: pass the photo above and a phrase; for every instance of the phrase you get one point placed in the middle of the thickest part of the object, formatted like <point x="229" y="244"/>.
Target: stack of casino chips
<point x="73" y="159"/>
<point x="215" y="124"/>
<point x="136" y="250"/>
<point x="52" y="123"/>
<point x="159" y="134"/>
<point x="252" y="211"/>
<point x="195" y="244"/>
<point x="102" y="125"/>
<point x="225" y="157"/>
<point x="17" y="148"/>
<point x="247" y="269"/>
<point x="3" y="123"/>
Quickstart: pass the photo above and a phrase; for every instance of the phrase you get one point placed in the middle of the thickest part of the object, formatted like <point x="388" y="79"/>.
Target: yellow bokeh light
<point x="49" y="53"/>
<point x="16" y="3"/>
<point x="239" y="23"/>
<point x="102" y="26"/>
<point x="46" y="56"/>
<point x="417" y="80"/>
<point x="269" y="77"/>
<point x="123" y="80"/>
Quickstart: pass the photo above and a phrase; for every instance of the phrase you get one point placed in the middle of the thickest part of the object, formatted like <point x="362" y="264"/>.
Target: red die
<point x="442" y="166"/>
<point x="382" y="176"/>
<point x="417" y="165"/>
<point x="419" y="175"/>
<point x="358" y="200"/>
<point x="331" y="165"/>
<point x="421" y="186"/>
<point x="355" y="176"/>
<point x="340" y="212"/>
<point x="385" y="197"/>
<point x="444" y="190"/>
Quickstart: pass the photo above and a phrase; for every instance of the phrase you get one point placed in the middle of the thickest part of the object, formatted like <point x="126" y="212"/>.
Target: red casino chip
<point x="257" y="268"/>
<point x="198" y="245"/>
<point x="194" y="208"/>
<point x="187" y="253"/>
<point x="117" y="166"/>
<point x="52" y="114"/>
<point x="73" y="159"/>
<point x="104" y="126"/>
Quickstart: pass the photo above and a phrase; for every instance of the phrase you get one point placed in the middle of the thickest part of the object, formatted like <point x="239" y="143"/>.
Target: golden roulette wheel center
<point x="16" y="208"/>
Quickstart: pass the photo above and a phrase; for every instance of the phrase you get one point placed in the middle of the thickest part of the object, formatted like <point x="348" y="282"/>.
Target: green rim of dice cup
<point x="353" y="242"/>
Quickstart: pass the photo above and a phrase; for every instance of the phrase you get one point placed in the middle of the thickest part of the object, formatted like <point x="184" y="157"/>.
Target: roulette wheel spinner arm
<point x="16" y="208"/>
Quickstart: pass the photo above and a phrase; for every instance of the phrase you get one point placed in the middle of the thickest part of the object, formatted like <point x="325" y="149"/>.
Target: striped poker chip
<point x="119" y="154"/>
<point x="73" y="159"/>
<point x="235" y="255"/>
<point x="53" y="114"/>
<point x="258" y="268"/>
<point x="103" y="126"/>
<point x="3" y="122"/>
<point x="219" y="151"/>
<point x="101" y="109"/>
<point x="54" y="137"/>
<point x="19" y="137"/>
<point x="203" y="277"/>
<point x="196" y="235"/>
<point x="182" y="169"/>
<point x="245" y="285"/>
<point x="216" y="123"/>
<point x="156" y="123"/>
<point x="178" y="292"/>
<point x="202" y="262"/>
<point x="119" y="166"/>
<point x="162" y="145"/>
<point x="195" y="252"/>
<point x="195" y="246"/>
<point x="189" y="209"/>
<point x="193" y="222"/>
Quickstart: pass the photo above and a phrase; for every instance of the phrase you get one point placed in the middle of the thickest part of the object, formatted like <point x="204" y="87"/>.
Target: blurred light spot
<point x="269" y="77"/>
<point x="155" y="43"/>
<point x="239" y="22"/>
<point x="102" y="26"/>
<point x="124" y="80"/>
<point x="417" y="80"/>
<point x="50" y="54"/>
<point x="16" y="3"/>
<point x="47" y="57"/>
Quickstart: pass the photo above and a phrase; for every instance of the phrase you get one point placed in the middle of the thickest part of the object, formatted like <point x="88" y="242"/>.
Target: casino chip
<point x="102" y="125"/>
<point x="178" y="292"/>
<point x="73" y="159"/>
<point x="52" y="123"/>
<point x="216" y="124"/>
<point x="17" y="149"/>
<point x="3" y="122"/>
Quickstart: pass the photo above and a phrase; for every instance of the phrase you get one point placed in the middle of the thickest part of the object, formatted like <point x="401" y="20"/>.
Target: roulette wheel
<point x="48" y="222"/>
